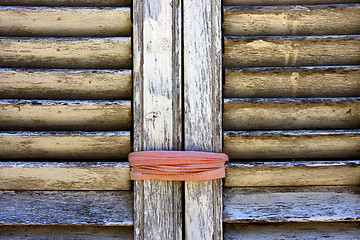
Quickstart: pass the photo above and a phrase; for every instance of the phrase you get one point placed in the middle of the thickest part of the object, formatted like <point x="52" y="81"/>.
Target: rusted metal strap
<point x="177" y="165"/>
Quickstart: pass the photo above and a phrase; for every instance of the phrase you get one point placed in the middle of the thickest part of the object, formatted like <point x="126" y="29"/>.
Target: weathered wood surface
<point x="64" y="145"/>
<point x="202" y="112"/>
<point x="291" y="204"/>
<point x="88" y="53"/>
<point x="279" y="2"/>
<point x="65" y="84"/>
<point x="291" y="51"/>
<point x="64" y="22"/>
<point x="292" y="20"/>
<point x="287" y="113"/>
<point x="77" y="3"/>
<point x="157" y="112"/>
<point x="304" y="144"/>
<point x="343" y="81"/>
<point x="302" y="173"/>
<point x="66" y="232"/>
<point x="292" y="231"/>
<point x="64" y="176"/>
<point x="45" y="115"/>
<point x="98" y="208"/>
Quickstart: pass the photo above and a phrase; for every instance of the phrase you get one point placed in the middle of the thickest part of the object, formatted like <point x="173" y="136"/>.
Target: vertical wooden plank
<point x="202" y="125"/>
<point x="157" y="112"/>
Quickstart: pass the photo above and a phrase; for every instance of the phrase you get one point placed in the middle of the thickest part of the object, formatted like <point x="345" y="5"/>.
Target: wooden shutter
<point x="65" y="119"/>
<point x="291" y="119"/>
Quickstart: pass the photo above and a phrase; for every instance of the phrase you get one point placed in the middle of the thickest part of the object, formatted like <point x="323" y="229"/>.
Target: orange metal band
<point x="177" y="165"/>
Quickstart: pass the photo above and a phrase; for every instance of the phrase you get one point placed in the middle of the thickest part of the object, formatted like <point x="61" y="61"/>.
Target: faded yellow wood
<point x="77" y="3"/>
<point x="291" y="51"/>
<point x="294" y="20"/>
<point x="307" y="113"/>
<point x="88" y="53"/>
<point x="64" y="22"/>
<point x="293" y="82"/>
<point x="65" y="84"/>
<point x="65" y="115"/>
<point x="283" y="2"/>
<point x="65" y="145"/>
<point x="292" y="144"/>
<point x="64" y="176"/>
<point x="304" y="173"/>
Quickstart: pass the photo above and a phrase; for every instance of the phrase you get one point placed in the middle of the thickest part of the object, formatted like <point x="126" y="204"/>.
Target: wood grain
<point x="292" y="144"/>
<point x="66" y="232"/>
<point x="87" y="53"/>
<point x="307" y="113"/>
<point x="202" y="113"/>
<point x="64" y="22"/>
<point x="292" y="20"/>
<point x="300" y="173"/>
<point x="64" y="176"/>
<point x="157" y="112"/>
<point x="64" y="145"/>
<point x="291" y="51"/>
<point x="44" y="115"/>
<point x="291" y="204"/>
<point x="282" y="2"/>
<point x="343" y="81"/>
<point x="292" y="231"/>
<point x="65" y="84"/>
<point x="96" y="208"/>
<point x="77" y="3"/>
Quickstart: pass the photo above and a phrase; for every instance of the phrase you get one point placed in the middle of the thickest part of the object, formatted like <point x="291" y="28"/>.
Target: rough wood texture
<point x="64" y="145"/>
<point x="45" y="115"/>
<point x="307" y="113"/>
<point x="77" y="3"/>
<point x="292" y="144"/>
<point x="85" y="53"/>
<point x="157" y="112"/>
<point x="64" y="22"/>
<point x="291" y="51"/>
<point x="202" y="115"/>
<point x="279" y="2"/>
<point x="66" y="232"/>
<point x="292" y="231"/>
<point x="65" y="84"/>
<point x="292" y="20"/>
<point x="293" y="82"/>
<point x="291" y="204"/>
<point x="268" y="174"/>
<point x="99" y="208"/>
<point x="64" y="176"/>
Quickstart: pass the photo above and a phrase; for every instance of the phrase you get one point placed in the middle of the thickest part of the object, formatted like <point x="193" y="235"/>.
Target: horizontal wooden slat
<point x="306" y="173"/>
<point x="276" y="2"/>
<point x="291" y="51"/>
<point x="291" y="231"/>
<point x="99" y="208"/>
<point x="64" y="145"/>
<point x="65" y="115"/>
<point x="66" y="232"/>
<point x="341" y="81"/>
<point x="64" y="22"/>
<point x="101" y="53"/>
<point x="289" y="113"/>
<point x="292" y="144"/>
<point x="77" y="3"/>
<point x="65" y="84"/>
<point x="64" y="176"/>
<point x="292" y="20"/>
<point x="291" y="204"/>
